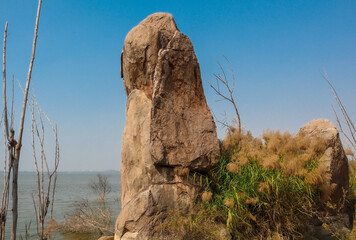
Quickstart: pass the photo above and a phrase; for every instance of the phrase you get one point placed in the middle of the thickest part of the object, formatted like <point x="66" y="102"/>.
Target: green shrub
<point x="256" y="202"/>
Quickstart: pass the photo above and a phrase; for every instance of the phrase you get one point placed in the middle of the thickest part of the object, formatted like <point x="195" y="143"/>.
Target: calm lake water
<point x="70" y="187"/>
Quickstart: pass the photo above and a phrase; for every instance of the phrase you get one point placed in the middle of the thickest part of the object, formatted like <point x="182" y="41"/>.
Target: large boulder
<point x="334" y="157"/>
<point x="170" y="135"/>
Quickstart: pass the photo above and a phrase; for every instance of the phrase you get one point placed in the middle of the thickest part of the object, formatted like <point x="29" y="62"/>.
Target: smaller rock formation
<point x="334" y="157"/>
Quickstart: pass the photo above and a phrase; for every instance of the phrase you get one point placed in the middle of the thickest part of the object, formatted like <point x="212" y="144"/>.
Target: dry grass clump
<point x="51" y="228"/>
<point x="229" y="202"/>
<point x="206" y="196"/>
<point x="294" y="155"/>
<point x="269" y="187"/>
<point x="232" y="167"/>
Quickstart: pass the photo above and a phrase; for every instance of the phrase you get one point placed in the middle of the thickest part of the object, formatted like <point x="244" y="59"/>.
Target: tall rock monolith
<point x="169" y="134"/>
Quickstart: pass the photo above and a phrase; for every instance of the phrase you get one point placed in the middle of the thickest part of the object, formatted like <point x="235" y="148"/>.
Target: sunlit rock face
<point x="169" y="131"/>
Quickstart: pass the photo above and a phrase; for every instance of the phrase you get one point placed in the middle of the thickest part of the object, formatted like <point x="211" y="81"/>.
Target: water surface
<point x="71" y="187"/>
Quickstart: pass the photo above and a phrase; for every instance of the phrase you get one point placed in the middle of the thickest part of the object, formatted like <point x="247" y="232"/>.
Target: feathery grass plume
<point x="243" y="160"/>
<point x="206" y="196"/>
<point x="293" y="165"/>
<point x="232" y="167"/>
<point x="274" y="140"/>
<point x="229" y="202"/>
<point x="271" y="162"/>
<point x="318" y="176"/>
<point x="231" y="139"/>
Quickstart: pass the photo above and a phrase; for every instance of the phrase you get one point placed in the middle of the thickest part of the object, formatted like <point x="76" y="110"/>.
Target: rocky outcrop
<point x="334" y="157"/>
<point x="169" y="134"/>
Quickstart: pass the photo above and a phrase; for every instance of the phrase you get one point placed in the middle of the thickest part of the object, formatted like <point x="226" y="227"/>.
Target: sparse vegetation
<point x="88" y="218"/>
<point x="268" y="188"/>
<point x="93" y="218"/>
<point x="101" y="187"/>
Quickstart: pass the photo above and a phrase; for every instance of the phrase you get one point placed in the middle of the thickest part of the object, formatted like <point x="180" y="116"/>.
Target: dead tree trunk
<point x="13" y="146"/>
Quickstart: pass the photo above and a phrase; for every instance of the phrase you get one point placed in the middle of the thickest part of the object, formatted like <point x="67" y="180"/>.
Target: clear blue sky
<point x="277" y="49"/>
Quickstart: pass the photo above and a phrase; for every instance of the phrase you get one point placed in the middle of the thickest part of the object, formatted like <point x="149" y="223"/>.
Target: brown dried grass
<point x="206" y="196"/>
<point x="229" y="202"/>
<point x="277" y="150"/>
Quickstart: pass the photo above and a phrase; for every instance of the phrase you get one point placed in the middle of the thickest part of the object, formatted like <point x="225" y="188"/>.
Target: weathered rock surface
<point x="139" y="56"/>
<point x="334" y="157"/>
<point x="182" y="131"/>
<point x="169" y="132"/>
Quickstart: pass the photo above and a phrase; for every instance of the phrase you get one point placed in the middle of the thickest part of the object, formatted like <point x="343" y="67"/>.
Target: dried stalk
<point x="350" y="131"/>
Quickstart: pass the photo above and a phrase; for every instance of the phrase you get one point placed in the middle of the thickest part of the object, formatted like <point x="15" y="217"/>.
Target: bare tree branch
<point x="43" y="190"/>
<point x="229" y="96"/>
